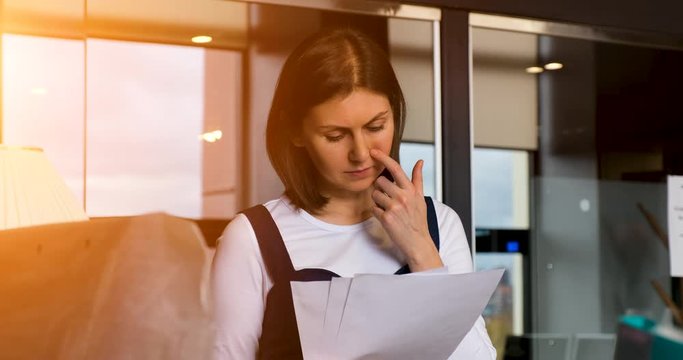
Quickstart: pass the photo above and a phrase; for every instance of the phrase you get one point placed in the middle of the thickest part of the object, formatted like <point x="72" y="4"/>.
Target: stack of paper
<point x="675" y="212"/>
<point x="390" y="316"/>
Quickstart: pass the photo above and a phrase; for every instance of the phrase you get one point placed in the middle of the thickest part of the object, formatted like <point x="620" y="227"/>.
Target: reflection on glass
<point x="153" y="111"/>
<point x="43" y="101"/>
<point x="504" y="314"/>
<point x="411" y="50"/>
<point x="145" y="107"/>
<point x="211" y="136"/>
<point x="501" y="189"/>
<point x="410" y="153"/>
<point x="604" y="147"/>
<point x="504" y="93"/>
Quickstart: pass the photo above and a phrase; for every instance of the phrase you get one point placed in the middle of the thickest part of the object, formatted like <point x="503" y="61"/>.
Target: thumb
<point x="417" y="176"/>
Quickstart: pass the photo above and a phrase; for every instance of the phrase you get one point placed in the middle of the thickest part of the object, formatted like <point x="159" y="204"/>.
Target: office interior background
<point x="549" y="127"/>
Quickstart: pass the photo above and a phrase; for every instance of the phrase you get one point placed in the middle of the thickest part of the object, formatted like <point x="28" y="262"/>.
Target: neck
<point x="347" y="210"/>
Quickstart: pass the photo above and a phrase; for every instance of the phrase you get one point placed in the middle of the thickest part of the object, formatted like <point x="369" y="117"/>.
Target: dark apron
<point x="280" y="335"/>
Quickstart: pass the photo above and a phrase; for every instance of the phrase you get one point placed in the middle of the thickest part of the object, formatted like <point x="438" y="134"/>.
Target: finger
<point x="377" y="212"/>
<point x="381" y="199"/>
<point x="386" y="186"/>
<point x="394" y="168"/>
<point x="418" y="180"/>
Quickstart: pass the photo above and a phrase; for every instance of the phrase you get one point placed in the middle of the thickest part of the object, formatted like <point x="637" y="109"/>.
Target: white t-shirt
<point x="241" y="282"/>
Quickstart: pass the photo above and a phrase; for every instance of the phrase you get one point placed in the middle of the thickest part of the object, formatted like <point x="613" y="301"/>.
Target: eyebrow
<point x="375" y="118"/>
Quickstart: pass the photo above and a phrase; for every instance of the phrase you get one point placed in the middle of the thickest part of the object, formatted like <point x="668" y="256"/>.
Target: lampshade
<point x="31" y="191"/>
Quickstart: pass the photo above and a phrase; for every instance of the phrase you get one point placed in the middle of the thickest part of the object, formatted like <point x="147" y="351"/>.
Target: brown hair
<point x="328" y="64"/>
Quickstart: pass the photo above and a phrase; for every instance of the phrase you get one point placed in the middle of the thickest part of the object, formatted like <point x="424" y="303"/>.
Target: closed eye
<point x="334" y="138"/>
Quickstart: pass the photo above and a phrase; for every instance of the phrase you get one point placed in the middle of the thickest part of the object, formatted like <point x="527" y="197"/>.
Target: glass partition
<point x="145" y="116"/>
<point x="412" y="51"/>
<point x="501" y="191"/>
<point x="42" y="102"/>
<point x="136" y="114"/>
<point x="598" y="131"/>
<point x="147" y="106"/>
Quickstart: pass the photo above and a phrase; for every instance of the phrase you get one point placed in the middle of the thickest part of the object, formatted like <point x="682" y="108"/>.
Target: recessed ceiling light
<point x="553" y="66"/>
<point x="534" y="70"/>
<point x="202" y="39"/>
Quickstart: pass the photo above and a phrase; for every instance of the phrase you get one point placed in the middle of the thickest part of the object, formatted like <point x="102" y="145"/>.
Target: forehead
<point x="361" y="105"/>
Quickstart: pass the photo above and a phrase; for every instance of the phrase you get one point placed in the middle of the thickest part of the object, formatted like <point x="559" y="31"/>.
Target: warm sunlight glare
<point x="211" y="136"/>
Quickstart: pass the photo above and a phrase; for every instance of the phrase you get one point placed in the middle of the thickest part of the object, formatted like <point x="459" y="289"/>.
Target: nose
<point x="360" y="150"/>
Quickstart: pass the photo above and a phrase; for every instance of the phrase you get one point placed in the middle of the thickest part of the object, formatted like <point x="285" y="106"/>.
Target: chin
<point x="360" y="186"/>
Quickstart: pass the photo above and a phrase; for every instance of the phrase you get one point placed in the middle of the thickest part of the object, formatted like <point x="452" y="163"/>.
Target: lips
<point x="360" y="172"/>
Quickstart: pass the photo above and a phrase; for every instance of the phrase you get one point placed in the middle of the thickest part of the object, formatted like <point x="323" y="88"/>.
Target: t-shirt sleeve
<point x="454" y="249"/>
<point x="238" y="282"/>
<point x="456" y="256"/>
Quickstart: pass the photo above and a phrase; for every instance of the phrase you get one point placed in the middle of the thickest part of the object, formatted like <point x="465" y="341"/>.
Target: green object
<point x="638" y="322"/>
<point x="666" y="348"/>
<point x="649" y="341"/>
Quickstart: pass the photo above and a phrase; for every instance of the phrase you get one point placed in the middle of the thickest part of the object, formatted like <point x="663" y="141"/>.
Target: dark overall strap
<point x="433" y="225"/>
<point x="275" y="255"/>
<point x="432" y="222"/>
<point x="280" y="336"/>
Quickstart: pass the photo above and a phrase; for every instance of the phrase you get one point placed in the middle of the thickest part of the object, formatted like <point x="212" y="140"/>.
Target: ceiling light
<point x="211" y="136"/>
<point x="534" y="70"/>
<point x="553" y="66"/>
<point x="202" y="39"/>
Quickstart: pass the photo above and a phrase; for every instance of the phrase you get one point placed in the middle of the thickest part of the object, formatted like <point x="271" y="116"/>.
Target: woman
<point x="333" y="137"/>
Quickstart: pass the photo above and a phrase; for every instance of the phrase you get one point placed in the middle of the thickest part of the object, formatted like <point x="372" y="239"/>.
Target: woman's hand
<point x="400" y="207"/>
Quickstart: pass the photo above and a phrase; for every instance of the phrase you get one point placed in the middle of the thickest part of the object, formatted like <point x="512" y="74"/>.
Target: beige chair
<point x="116" y="288"/>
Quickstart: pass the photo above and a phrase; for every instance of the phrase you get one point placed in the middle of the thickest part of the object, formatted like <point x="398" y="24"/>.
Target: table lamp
<point x="31" y="190"/>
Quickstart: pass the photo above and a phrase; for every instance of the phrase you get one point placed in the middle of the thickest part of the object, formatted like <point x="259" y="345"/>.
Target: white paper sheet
<point x="336" y="303"/>
<point x="675" y="216"/>
<point x="390" y="316"/>
<point x="310" y="298"/>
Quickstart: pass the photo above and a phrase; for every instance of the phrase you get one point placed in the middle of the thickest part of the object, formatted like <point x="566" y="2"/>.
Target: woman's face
<point x="338" y="135"/>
